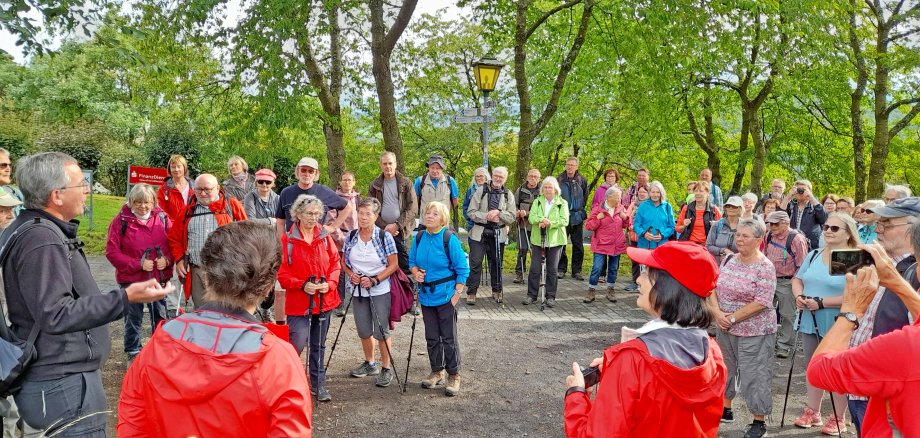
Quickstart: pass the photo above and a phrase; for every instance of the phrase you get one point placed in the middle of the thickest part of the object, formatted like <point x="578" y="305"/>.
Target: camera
<point x="592" y="376"/>
<point x="800" y="190"/>
<point x="849" y="260"/>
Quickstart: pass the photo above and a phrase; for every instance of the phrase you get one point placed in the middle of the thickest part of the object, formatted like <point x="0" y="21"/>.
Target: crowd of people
<point x="754" y="271"/>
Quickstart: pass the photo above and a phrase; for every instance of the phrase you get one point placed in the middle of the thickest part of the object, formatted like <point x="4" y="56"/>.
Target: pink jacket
<point x="609" y="236"/>
<point x="128" y="240"/>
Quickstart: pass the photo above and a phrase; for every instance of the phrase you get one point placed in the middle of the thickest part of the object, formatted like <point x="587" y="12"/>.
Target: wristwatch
<point x="731" y="319"/>
<point x="849" y="316"/>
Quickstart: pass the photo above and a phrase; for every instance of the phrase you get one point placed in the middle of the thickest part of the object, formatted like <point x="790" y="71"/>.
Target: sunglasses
<point x="308" y="170"/>
<point x="4" y="166"/>
<point x="833" y="228"/>
<point x="263" y="182"/>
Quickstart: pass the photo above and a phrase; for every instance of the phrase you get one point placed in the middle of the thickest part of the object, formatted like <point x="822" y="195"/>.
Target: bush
<point x="15" y="136"/>
<point x="173" y="138"/>
<point x="83" y="141"/>
<point x="113" y="170"/>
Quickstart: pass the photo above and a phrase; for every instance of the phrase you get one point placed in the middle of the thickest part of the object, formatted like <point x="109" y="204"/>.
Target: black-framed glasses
<point x="263" y="182"/>
<point x="833" y="228"/>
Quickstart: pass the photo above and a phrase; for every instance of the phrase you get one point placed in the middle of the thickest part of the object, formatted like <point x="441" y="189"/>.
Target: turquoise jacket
<point x="558" y="219"/>
<point x="657" y="218"/>
<point x="429" y="255"/>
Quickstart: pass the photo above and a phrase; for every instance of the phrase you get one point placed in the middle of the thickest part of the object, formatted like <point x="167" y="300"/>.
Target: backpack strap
<point x="124" y="224"/>
<point x="447" y="234"/>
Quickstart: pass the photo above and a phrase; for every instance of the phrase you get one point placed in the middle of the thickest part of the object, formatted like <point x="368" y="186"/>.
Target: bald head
<point x="206" y="189"/>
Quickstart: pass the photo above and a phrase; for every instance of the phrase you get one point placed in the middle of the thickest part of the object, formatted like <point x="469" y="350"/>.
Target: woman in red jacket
<point x="666" y="378"/>
<point x="309" y="271"/>
<point x="175" y="192"/>
<point x="217" y="371"/>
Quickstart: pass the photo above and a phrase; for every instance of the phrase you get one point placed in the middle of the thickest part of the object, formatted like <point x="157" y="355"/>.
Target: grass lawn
<point x="104" y="209"/>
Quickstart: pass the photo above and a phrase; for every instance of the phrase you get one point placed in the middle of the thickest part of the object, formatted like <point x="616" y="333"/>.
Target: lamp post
<point x="486" y="71"/>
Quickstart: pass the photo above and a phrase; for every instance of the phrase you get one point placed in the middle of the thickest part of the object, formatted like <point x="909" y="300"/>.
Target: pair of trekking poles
<point x="795" y="346"/>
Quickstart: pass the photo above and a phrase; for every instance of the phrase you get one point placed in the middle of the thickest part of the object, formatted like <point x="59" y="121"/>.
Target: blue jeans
<point x="857" y="412"/>
<point x="613" y="265"/>
<point x="134" y="317"/>
<point x="314" y="328"/>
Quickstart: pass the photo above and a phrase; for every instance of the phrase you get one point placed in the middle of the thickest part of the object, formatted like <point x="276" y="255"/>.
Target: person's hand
<point x="799" y="302"/>
<point x="657" y="238"/>
<point x="161" y="263"/>
<point x="600" y="216"/>
<point x="687" y="222"/>
<point x="544" y="223"/>
<point x="576" y="378"/>
<point x="859" y="291"/>
<point x="366" y="282"/>
<point x="419" y="275"/>
<point x="811" y="304"/>
<point x="181" y="270"/>
<point x="147" y="265"/>
<point x="393" y="229"/>
<point x="322" y="287"/>
<point x="148" y="291"/>
<point x="310" y="288"/>
<point x="722" y="320"/>
<point x="727" y="252"/>
<point x="521" y="214"/>
<point x="355" y="278"/>
<point x="648" y="236"/>
<point x="455" y="298"/>
<point x="492" y="215"/>
<point x="888" y="275"/>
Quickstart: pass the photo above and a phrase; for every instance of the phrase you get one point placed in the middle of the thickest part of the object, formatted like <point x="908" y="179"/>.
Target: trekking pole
<point x="144" y="259"/>
<point x="814" y="319"/>
<point x="384" y="342"/>
<point x="795" y="346"/>
<point x="499" y="262"/>
<point x="159" y="255"/>
<point x="310" y="312"/>
<point x="344" y="317"/>
<point x="542" y="269"/>
<point x="411" y="340"/>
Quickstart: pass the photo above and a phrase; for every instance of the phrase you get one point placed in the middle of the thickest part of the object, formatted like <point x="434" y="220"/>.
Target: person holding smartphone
<point x="670" y="379"/>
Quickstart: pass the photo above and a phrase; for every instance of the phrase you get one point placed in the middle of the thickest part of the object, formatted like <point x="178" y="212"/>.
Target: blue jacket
<point x="429" y="255"/>
<point x="466" y="205"/>
<point x="575" y="192"/>
<point x="659" y="218"/>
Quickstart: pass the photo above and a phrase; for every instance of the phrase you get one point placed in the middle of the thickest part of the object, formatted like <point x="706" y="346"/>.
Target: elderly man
<point x="575" y="191"/>
<point x="435" y="185"/>
<point x="397" y="205"/>
<point x="524" y="197"/>
<point x="6" y="180"/>
<point x="894" y="192"/>
<point x="642" y="180"/>
<point x="307" y="175"/>
<point x="805" y="211"/>
<point x="715" y="193"/>
<point x="208" y="209"/>
<point x="777" y="191"/>
<point x="52" y="295"/>
<point x="786" y="248"/>
<point x="492" y="210"/>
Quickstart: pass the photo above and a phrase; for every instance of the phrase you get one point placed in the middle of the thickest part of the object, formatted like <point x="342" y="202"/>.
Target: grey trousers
<point x="749" y="360"/>
<point x="53" y="405"/>
<point x="785" y="305"/>
<point x="198" y="288"/>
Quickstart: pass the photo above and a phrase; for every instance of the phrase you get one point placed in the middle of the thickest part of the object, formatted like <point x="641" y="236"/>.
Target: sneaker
<point x="551" y="302"/>
<point x="340" y="312"/>
<point x="471" y="299"/>
<point x="834" y="427"/>
<point x="518" y="278"/>
<point x="385" y="377"/>
<point x="611" y="294"/>
<point x="577" y="276"/>
<point x="727" y="415"/>
<point x="528" y="301"/>
<point x="782" y="353"/>
<point x="434" y="379"/>
<point x="589" y="298"/>
<point x="756" y="430"/>
<point x="453" y="385"/>
<point x="632" y="287"/>
<point x="366" y="369"/>
<point x="808" y="419"/>
<point x="560" y="275"/>
<point x="497" y="296"/>
<point x="323" y="395"/>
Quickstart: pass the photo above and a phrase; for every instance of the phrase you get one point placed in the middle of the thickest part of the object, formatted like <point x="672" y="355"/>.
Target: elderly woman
<point x="611" y="178"/>
<point x="636" y="394"/>
<point x="769" y="206"/>
<point x="440" y="267"/>
<point x="721" y="240"/>
<point x="818" y="296"/>
<point x="747" y="324"/>
<point x="8" y="204"/>
<point x="309" y="271"/>
<point x="654" y="222"/>
<point x="550" y="213"/>
<point x="175" y="192"/>
<point x="696" y="218"/>
<point x="217" y="371"/>
<point x="480" y="178"/>
<point x="261" y="203"/>
<point x="829" y="201"/>
<point x="138" y="248"/>
<point x="631" y="235"/>
<point x="866" y="220"/>
<point x="845" y="204"/>
<point x="369" y="260"/>
<point x="608" y="241"/>
<point x="750" y="203"/>
<point x="240" y="182"/>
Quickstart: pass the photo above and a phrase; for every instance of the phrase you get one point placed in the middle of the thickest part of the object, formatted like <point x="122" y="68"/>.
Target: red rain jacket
<point x="299" y="261"/>
<point x="170" y="199"/>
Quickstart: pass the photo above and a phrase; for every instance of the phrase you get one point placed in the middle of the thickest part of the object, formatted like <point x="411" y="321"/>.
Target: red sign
<point x="148" y="175"/>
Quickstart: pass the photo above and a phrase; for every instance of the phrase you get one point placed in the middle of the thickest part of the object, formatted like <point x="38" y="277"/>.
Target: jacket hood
<point x="686" y="364"/>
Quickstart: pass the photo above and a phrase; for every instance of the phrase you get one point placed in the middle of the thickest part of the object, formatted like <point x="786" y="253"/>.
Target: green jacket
<point x="558" y="219"/>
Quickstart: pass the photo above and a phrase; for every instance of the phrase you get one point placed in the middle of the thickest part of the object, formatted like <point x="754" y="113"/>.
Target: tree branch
<point x="904" y="122"/>
<point x="899" y="103"/>
<point x="399" y="25"/>
<point x="901" y="35"/>
<point x="533" y="27"/>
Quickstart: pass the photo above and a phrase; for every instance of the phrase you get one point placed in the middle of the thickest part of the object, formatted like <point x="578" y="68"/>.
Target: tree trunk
<point x="335" y="150"/>
<point x="856" y="97"/>
<point x="879" y="155"/>
<point x="760" y="156"/>
<point x="707" y="139"/>
<point x="742" y="149"/>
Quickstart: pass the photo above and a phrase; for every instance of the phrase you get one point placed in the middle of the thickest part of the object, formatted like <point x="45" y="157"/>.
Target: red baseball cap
<point x="690" y="264"/>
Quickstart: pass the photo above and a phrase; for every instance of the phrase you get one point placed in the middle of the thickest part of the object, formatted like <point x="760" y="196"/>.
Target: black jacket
<point x="51" y="284"/>
<point x="812" y="218"/>
<point x="575" y="192"/>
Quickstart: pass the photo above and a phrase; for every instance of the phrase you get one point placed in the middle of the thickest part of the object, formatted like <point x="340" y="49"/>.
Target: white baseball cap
<point x="308" y="162"/>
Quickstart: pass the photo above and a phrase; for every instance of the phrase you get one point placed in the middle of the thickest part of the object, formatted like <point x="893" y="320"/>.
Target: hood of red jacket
<point x="696" y="386"/>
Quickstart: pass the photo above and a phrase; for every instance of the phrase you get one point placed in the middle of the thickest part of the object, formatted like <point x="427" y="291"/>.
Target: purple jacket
<point x="128" y="239"/>
<point x="609" y="236"/>
<point x="600" y="195"/>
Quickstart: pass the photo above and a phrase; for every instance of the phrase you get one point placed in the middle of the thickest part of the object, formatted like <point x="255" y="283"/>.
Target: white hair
<point x="657" y="185"/>
<point x="552" y="181"/>
<point x="901" y="190"/>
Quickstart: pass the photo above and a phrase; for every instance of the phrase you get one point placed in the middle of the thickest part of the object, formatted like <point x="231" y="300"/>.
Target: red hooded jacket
<point x="170" y="199"/>
<point x="301" y="260"/>
<point x="209" y="374"/>
<point x="640" y="395"/>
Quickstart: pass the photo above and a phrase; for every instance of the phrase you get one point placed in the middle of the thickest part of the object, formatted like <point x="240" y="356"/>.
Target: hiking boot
<point x="560" y="275"/>
<point x="453" y="385"/>
<point x="528" y="301"/>
<point x="782" y="353"/>
<point x="808" y="419"/>
<point x="414" y="310"/>
<point x="471" y="299"/>
<point x="834" y="427"/>
<point x="518" y="278"/>
<point x="323" y="395"/>
<point x="497" y="296"/>
<point x="551" y="302"/>
<point x="589" y="298"/>
<point x="434" y="379"/>
<point x="611" y="295"/>
<point x="577" y="277"/>
<point x="366" y="369"/>
<point x="340" y="312"/>
<point x="631" y="288"/>
<point x="385" y="377"/>
<point x="756" y="430"/>
<point x="727" y="415"/>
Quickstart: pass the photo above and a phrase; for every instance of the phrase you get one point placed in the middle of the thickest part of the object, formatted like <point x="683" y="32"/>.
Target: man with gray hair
<point x="207" y="209"/>
<point x="894" y="192"/>
<point x="6" y="180"/>
<point x="397" y="205"/>
<point x="492" y="210"/>
<point x="55" y="302"/>
<point x="806" y="213"/>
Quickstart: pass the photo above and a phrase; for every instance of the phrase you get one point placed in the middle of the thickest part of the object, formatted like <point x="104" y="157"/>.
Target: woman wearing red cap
<point x="668" y="378"/>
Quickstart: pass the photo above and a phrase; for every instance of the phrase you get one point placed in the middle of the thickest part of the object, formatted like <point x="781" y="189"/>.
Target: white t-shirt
<point x="365" y="261"/>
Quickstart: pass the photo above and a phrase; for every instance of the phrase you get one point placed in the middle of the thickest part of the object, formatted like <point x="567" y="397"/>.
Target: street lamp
<point x="486" y="70"/>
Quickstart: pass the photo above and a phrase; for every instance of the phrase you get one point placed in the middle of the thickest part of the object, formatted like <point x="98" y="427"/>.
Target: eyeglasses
<point x="727" y="206"/>
<point x="263" y="182"/>
<point x="833" y="228"/>
<point x="4" y="166"/>
<point x="862" y="210"/>
<point x="83" y="185"/>
<point x="312" y="213"/>
<point x="205" y="189"/>
<point x="307" y="170"/>
<point x="770" y="224"/>
<point x="643" y="270"/>
<point x="884" y="224"/>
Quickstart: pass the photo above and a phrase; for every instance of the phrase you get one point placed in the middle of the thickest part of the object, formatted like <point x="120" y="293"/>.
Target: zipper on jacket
<point x="89" y="344"/>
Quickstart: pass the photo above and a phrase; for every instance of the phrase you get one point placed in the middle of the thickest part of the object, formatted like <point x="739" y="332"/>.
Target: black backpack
<point x="447" y="234"/>
<point x="124" y="224"/>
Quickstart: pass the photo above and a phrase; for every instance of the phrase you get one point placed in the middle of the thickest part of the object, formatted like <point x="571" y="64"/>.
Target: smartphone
<point x="592" y="376"/>
<point x="849" y="260"/>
